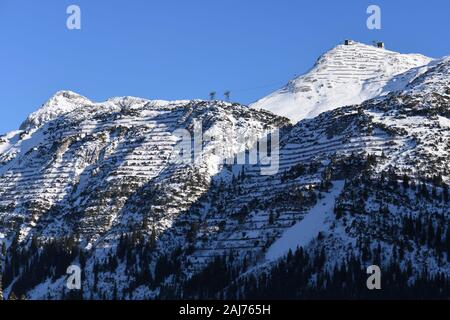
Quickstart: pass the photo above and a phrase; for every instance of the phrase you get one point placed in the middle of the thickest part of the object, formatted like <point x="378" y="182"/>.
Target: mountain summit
<point x="61" y="103"/>
<point x="347" y="74"/>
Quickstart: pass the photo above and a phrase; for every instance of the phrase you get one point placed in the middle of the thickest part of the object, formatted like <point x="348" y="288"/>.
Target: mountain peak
<point x="349" y="73"/>
<point x="67" y="94"/>
<point x="62" y="102"/>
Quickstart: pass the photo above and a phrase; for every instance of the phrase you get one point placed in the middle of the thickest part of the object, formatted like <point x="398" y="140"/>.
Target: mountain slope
<point x="75" y="168"/>
<point x="101" y="185"/>
<point x="345" y="75"/>
<point x="392" y="211"/>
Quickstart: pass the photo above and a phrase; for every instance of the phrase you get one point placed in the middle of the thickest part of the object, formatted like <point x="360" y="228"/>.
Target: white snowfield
<point x="303" y="232"/>
<point x="345" y="75"/>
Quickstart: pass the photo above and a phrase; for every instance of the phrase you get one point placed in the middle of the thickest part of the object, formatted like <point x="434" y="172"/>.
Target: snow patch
<point x="303" y="232"/>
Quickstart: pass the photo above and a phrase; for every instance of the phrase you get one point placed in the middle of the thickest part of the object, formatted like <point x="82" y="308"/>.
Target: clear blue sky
<point x="169" y="49"/>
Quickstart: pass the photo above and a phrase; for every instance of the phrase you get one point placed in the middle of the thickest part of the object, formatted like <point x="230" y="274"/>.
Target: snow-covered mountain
<point x="101" y="186"/>
<point x="85" y="159"/>
<point x="345" y="75"/>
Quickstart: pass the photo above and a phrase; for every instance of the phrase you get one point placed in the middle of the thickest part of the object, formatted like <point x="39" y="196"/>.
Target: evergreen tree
<point x="1" y="288"/>
<point x="405" y="181"/>
<point x="12" y="296"/>
<point x="271" y="218"/>
<point x="445" y="194"/>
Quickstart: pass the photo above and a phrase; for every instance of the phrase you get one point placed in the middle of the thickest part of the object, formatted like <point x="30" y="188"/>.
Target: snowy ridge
<point x="61" y="103"/>
<point x="76" y="158"/>
<point x="345" y="75"/>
